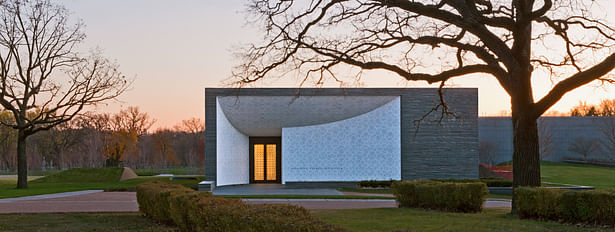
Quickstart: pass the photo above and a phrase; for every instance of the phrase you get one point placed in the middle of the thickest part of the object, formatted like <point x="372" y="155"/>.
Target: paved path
<point x="49" y="196"/>
<point x="127" y="202"/>
<point x="329" y="203"/>
<point x="90" y="202"/>
<point x="272" y="189"/>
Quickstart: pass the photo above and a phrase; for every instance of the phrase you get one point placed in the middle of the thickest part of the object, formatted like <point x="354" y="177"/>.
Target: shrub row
<point x="375" y="183"/>
<point x="490" y="182"/>
<point x="445" y="196"/>
<point x="199" y="211"/>
<point x="589" y="207"/>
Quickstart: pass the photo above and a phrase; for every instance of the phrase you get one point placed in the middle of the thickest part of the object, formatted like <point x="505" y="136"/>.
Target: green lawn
<point x="80" y="179"/>
<point x="403" y="219"/>
<point x="80" y="222"/>
<point x="558" y="174"/>
<point x="391" y="219"/>
<point x="578" y="174"/>
<point x="174" y="171"/>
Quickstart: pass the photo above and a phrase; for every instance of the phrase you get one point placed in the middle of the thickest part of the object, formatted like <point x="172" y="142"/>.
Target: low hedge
<point x="497" y="182"/>
<point x="445" y="196"/>
<point x="199" y="211"/>
<point x="588" y="207"/>
<point x="154" y="198"/>
<point x="490" y="182"/>
<point x="375" y="183"/>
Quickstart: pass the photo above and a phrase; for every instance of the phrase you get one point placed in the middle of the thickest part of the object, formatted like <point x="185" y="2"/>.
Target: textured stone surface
<point x="365" y="147"/>
<point x="564" y="130"/>
<point x="266" y="115"/>
<point x="234" y="166"/>
<point x="435" y="148"/>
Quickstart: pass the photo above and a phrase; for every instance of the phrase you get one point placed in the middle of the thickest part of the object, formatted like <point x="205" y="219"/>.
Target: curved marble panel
<point x="366" y="147"/>
<point x="267" y="115"/>
<point x="232" y="147"/>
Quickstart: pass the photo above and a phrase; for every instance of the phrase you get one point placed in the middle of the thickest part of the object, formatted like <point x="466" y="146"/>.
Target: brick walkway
<point x="127" y="202"/>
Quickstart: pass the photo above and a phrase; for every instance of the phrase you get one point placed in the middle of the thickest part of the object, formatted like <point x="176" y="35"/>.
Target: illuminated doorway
<point x="265" y="157"/>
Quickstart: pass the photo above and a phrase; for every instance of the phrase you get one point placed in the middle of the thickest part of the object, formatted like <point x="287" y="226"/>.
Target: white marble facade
<point x="359" y="147"/>
<point x="365" y="147"/>
<point x="232" y="147"/>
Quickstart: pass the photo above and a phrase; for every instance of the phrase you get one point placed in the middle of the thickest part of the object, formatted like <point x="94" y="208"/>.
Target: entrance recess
<point x="265" y="157"/>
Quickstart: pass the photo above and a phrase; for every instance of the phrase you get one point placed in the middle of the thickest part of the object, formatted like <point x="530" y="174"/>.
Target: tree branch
<point x="573" y="82"/>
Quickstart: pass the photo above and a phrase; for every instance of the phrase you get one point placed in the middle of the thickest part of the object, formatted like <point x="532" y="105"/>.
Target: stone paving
<point x="49" y="196"/>
<point x="272" y="189"/>
<point x="77" y="202"/>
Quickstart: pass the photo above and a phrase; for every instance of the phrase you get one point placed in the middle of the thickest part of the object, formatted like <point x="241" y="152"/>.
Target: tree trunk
<point x="526" y="154"/>
<point x="22" y="161"/>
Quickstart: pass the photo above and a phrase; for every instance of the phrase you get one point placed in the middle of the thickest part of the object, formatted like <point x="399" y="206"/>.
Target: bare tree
<point x="55" y="142"/>
<point x="607" y="107"/>
<point x="7" y="142"/>
<point x="583" y="110"/>
<point x="437" y="40"/>
<point x="38" y="44"/>
<point x="486" y="152"/>
<point x="128" y="127"/>
<point x="163" y="147"/>
<point x="132" y="119"/>
<point x="545" y="138"/>
<point x="608" y="130"/>
<point x="96" y="129"/>
<point x="584" y="146"/>
<point x="191" y="149"/>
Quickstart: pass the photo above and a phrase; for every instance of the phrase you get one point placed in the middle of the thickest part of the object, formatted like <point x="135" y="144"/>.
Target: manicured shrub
<point x="540" y="203"/>
<point x="286" y="218"/>
<point x="182" y="205"/>
<point x="497" y="182"/>
<point x="375" y="183"/>
<point x="153" y="198"/>
<point x="589" y="207"/>
<point x="445" y="196"/>
<point x="490" y="182"/>
<point x="198" y="211"/>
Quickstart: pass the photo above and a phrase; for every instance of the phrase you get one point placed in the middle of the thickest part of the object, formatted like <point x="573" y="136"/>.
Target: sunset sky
<point x="175" y="49"/>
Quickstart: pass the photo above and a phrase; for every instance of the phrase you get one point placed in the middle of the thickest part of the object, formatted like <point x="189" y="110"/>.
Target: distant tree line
<point x="605" y="108"/>
<point x="97" y="140"/>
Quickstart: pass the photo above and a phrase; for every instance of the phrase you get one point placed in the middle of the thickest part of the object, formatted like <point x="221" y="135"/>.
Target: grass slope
<point x="578" y="174"/>
<point x="404" y="219"/>
<point x="78" y="175"/>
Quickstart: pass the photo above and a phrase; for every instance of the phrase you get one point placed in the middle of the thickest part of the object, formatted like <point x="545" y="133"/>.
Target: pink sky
<point x="175" y="49"/>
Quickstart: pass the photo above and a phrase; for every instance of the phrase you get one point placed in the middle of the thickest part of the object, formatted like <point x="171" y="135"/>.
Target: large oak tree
<point x="512" y="41"/>
<point x="44" y="80"/>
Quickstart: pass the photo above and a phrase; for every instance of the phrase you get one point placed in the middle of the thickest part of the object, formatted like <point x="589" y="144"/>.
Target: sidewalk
<point x="98" y="201"/>
<point x="74" y="202"/>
